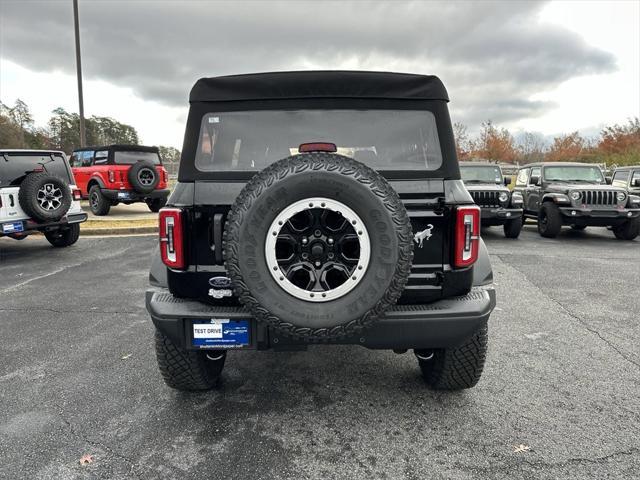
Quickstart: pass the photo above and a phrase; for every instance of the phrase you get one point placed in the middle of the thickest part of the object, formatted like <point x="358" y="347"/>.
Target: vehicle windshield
<point x="481" y="174"/>
<point x="131" y="157"/>
<point x="382" y="139"/>
<point x="569" y="174"/>
<point x="15" y="166"/>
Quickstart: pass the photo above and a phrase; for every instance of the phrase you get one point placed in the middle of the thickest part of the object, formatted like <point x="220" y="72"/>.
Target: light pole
<point x="79" y="73"/>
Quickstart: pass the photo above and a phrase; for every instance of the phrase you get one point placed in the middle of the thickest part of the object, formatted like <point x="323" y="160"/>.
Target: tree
<point x="495" y="144"/>
<point x="571" y="147"/>
<point x="64" y="128"/>
<point x="463" y="142"/>
<point x="531" y="148"/>
<point x="170" y="158"/>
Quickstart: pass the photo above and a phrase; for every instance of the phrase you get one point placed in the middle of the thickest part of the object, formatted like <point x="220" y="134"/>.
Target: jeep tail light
<point x="171" y="237"/>
<point x="112" y="176"/>
<point x="77" y="194"/>
<point x="165" y="176"/>
<point x="466" y="236"/>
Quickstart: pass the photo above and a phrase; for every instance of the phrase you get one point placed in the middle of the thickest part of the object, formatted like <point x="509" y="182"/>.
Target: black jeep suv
<point x="488" y="188"/>
<point x="576" y="194"/>
<point x="38" y="194"/>
<point x="320" y="207"/>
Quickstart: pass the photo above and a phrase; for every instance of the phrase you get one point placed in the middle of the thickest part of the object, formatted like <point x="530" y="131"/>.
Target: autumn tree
<point x="494" y="144"/>
<point x="571" y="147"/>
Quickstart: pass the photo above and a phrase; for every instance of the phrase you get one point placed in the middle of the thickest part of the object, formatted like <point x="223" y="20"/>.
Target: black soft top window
<point x="382" y="139"/>
<point x="121" y="157"/>
<point x="15" y="166"/>
<point x="481" y="173"/>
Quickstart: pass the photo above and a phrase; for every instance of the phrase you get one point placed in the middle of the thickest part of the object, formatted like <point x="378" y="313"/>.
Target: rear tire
<point x="185" y="369"/>
<point x="455" y="368"/>
<point x="156" y="204"/>
<point x="629" y="230"/>
<point x="97" y="202"/>
<point x="549" y="220"/>
<point x="512" y="228"/>
<point x="64" y="237"/>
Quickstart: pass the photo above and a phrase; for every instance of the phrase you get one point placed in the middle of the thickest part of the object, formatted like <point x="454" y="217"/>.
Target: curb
<point x="132" y="230"/>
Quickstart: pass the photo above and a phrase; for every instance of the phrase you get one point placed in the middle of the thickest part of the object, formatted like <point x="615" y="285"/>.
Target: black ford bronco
<point x="320" y="208"/>
<point x="576" y="194"/>
<point x="488" y="188"/>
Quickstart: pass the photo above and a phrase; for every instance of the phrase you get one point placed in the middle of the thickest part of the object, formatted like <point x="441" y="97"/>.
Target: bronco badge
<point x="423" y="235"/>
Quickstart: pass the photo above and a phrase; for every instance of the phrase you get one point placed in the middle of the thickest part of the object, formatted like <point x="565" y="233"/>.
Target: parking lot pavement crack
<point x="582" y="460"/>
<point x="581" y="321"/>
<point x="131" y="463"/>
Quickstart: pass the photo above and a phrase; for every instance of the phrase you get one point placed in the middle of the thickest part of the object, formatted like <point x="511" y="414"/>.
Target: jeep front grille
<point x="598" y="197"/>
<point x="485" y="199"/>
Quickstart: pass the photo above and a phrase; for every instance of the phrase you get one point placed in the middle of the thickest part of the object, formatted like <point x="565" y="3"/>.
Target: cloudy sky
<point x="548" y="67"/>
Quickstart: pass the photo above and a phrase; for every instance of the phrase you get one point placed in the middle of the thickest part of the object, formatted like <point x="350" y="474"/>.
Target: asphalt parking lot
<point x="78" y="376"/>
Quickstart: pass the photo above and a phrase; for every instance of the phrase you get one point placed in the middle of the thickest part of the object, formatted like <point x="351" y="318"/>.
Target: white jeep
<point x="38" y="194"/>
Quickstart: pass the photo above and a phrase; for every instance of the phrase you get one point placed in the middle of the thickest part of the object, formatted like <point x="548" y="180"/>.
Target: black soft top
<point x="119" y="148"/>
<point x="319" y="84"/>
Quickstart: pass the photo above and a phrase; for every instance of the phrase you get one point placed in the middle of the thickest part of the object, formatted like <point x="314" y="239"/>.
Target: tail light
<point x="171" y="238"/>
<point x="77" y="194"/>
<point x="112" y="176"/>
<point x="467" y="236"/>
<point x="165" y="176"/>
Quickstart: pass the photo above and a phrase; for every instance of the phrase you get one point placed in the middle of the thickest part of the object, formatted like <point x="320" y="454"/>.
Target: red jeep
<point x="111" y="174"/>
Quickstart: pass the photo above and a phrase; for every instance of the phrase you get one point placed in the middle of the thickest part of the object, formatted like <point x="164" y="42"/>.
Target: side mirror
<point x="507" y="181"/>
<point x="636" y="182"/>
<point x="534" y="180"/>
<point x="608" y="180"/>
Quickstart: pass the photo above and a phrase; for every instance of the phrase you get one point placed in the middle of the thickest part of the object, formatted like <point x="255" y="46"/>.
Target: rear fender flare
<point x="482" y="271"/>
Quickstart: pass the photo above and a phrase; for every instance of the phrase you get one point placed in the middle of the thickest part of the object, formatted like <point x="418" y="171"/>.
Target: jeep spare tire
<point x="143" y="176"/>
<point x="318" y="246"/>
<point x="44" y="197"/>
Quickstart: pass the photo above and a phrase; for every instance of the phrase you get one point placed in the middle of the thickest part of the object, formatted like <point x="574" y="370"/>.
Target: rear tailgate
<point x="423" y="199"/>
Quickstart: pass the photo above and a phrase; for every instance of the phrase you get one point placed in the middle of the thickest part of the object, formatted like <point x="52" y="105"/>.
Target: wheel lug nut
<point x="330" y="255"/>
<point x="305" y="240"/>
<point x="318" y="264"/>
<point x="305" y="256"/>
<point x="317" y="233"/>
<point x="330" y="241"/>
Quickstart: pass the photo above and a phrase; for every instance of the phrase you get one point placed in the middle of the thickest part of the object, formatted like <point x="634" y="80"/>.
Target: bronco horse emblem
<point x="423" y="235"/>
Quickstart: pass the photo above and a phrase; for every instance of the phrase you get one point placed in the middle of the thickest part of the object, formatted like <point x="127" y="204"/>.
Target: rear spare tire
<point x="143" y="177"/>
<point x="44" y="197"/>
<point x="318" y="246"/>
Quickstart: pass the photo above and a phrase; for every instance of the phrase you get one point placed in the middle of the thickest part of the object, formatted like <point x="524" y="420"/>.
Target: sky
<point x="548" y="67"/>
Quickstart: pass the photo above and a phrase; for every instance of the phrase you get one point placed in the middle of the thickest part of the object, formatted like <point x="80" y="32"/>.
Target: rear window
<point x="481" y="174"/>
<point x="129" y="158"/>
<point x="382" y="139"/>
<point x="14" y="167"/>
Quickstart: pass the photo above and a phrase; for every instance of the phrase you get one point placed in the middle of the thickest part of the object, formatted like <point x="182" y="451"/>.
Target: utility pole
<point x="83" y="139"/>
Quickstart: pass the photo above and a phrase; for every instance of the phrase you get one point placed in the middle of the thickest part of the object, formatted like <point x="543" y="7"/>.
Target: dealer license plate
<point x="219" y="333"/>
<point x="12" y="227"/>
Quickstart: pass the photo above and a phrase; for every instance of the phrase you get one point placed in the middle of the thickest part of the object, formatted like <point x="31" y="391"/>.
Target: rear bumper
<point x="30" y="226"/>
<point x="132" y="195"/>
<point x="597" y="217"/>
<point x="498" y="215"/>
<point x="441" y="324"/>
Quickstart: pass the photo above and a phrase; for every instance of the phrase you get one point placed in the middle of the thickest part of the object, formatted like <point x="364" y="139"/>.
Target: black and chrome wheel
<point x="318" y="249"/>
<point x="44" y="197"/>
